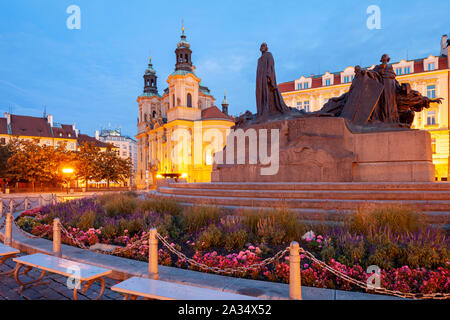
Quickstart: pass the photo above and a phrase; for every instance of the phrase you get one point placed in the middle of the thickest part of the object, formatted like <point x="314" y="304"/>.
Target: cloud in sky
<point x="92" y="76"/>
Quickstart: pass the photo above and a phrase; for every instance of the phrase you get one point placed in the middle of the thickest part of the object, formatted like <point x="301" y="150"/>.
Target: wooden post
<point x="1" y="207"/>
<point x="40" y="201"/>
<point x="11" y="206"/>
<point x="295" y="283"/>
<point x="25" y="206"/>
<point x="153" y="255"/>
<point x="8" y="229"/>
<point x="57" y="238"/>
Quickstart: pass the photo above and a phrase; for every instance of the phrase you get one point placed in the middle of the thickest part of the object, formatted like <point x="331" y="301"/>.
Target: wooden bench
<point x="88" y="274"/>
<point x="5" y="254"/>
<point x="163" y="290"/>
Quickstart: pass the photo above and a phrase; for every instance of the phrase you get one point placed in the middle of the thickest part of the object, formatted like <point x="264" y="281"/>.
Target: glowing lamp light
<point x="158" y="176"/>
<point x="67" y="170"/>
<point x="184" y="176"/>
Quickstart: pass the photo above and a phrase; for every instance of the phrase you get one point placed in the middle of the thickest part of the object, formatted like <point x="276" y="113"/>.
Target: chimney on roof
<point x="50" y="120"/>
<point x="8" y="118"/>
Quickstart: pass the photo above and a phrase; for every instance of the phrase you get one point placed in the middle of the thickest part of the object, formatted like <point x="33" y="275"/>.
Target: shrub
<point x="161" y="206"/>
<point x="197" y="217"/>
<point x="210" y="237"/>
<point x="27" y="223"/>
<point x="86" y="221"/>
<point x="398" y="218"/>
<point x="118" y="205"/>
<point x="235" y="240"/>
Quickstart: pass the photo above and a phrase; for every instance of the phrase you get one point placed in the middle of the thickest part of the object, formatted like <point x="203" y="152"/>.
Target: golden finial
<point x="182" y="25"/>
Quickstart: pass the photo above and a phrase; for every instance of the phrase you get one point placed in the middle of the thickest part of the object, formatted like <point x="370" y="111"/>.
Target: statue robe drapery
<point x="268" y="96"/>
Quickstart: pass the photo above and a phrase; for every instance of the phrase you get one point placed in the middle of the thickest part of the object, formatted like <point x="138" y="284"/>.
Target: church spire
<point x="183" y="53"/>
<point x="150" y="79"/>
<point x="225" y="103"/>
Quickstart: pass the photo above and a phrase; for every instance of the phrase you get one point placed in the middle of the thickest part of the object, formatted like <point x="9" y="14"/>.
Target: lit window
<point x="431" y="66"/>
<point x="431" y="92"/>
<point x="431" y="118"/>
<point x="306" y="106"/>
<point x="433" y="146"/>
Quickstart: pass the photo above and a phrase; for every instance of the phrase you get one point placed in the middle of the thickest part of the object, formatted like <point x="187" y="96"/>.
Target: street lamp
<point x="68" y="172"/>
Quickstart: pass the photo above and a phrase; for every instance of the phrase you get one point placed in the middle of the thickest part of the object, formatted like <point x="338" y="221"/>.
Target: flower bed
<point x="413" y="257"/>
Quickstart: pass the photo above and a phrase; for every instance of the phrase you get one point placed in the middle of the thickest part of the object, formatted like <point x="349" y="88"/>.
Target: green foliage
<point x="210" y="237"/>
<point x="398" y="218"/>
<point x="197" y="217"/>
<point x="28" y="223"/>
<point x="86" y="221"/>
<point x="161" y="206"/>
<point x="235" y="240"/>
<point x="116" y="205"/>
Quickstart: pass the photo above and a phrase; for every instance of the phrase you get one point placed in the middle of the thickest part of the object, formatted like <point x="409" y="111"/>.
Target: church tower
<point x="183" y="54"/>
<point x="150" y="80"/>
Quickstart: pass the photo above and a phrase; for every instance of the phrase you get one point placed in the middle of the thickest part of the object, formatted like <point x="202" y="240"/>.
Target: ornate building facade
<point x="430" y="76"/>
<point x="175" y="128"/>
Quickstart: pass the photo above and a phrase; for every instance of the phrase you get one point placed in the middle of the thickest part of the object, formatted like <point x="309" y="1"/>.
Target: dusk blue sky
<point x="93" y="76"/>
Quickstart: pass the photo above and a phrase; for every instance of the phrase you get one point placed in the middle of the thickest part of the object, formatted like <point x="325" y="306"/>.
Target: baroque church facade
<point x="180" y="130"/>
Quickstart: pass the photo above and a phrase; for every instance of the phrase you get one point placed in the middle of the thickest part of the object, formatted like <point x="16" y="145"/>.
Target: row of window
<point x="407" y="70"/>
<point x="431" y="93"/>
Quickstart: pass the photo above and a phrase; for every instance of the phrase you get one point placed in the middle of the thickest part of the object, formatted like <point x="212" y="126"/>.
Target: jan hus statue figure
<point x="268" y="97"/>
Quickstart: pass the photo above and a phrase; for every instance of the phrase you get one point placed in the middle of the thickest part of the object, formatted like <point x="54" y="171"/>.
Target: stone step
<point x="333" y="204"/>
<point x="315" y="194"/>
<point x="418" y="186"/>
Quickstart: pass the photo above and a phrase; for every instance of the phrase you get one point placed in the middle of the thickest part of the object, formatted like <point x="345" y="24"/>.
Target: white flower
<point x="309" y="234"/>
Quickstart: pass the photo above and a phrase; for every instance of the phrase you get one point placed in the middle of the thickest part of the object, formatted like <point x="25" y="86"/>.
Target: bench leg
<point x="129" y="297"/>
<point x="86" y="287"/>
<point x="2" y="261"/>
<point x="26" y="284"/>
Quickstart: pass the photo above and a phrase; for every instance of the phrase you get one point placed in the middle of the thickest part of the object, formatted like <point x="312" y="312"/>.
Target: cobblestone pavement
<point x="56" y="290"/>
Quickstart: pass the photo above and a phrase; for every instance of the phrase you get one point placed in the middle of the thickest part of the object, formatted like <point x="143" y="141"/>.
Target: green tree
<point x="87" y="162"/>
<point x="34" y="163"/>
<point x="112" y="168"/>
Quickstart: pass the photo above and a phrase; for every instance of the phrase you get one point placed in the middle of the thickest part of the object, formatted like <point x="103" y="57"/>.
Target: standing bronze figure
<point x="268" y="97"/>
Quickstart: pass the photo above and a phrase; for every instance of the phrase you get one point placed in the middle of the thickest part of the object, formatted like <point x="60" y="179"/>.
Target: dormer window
<point x="327" y="82"/>
<point x="431" y="66"/>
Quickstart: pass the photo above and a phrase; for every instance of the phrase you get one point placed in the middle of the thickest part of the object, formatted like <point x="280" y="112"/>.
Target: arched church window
<point x="173" y="100"/>
<point x="189" y="100"/>
<point x="186" y="58"/>
<point x="154" y="114"/>
<point x="145" y="117"/>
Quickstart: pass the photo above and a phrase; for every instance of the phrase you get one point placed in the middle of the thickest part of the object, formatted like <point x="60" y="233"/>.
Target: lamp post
<point x="68" y="173"/>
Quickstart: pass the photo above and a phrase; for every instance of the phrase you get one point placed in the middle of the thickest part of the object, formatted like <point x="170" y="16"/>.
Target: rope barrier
<point x="191" y="261"/>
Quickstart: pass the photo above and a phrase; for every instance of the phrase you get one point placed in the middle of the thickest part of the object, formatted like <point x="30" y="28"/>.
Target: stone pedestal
<point x="322" y="149"/>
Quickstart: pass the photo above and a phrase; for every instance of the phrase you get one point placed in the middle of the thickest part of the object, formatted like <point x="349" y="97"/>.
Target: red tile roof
<point x="84" y="138"/>
<point x="3" y="126"/>
<point x="66" y="131"/>
<point x="214" y="113"/>
<point x="30" y="126"/>
<point x="287" y="86"/>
